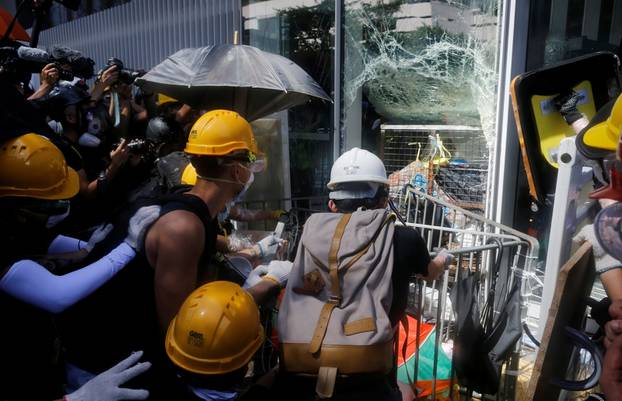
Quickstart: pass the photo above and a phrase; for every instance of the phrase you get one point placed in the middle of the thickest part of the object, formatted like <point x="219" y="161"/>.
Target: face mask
<point x="222" y="216"/>
<point x="94" y="124"/>
<point x="89" y="141"/>
<point x="214" y="395"/>
<point x="57" y="218"/>
<point x="247" y="185"/>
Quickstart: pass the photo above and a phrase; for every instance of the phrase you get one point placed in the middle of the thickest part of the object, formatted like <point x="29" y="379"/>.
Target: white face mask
<point x="222" y="216"/>
<point x="57" y="218"/>
<point x="247" y="185"/>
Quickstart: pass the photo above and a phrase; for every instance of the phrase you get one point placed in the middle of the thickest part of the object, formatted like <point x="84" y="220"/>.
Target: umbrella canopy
<point x="18" y="32"/>
<point x="236" y="77"/>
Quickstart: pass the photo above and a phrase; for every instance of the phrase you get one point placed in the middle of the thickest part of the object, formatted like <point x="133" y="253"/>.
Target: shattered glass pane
<point x="424" y="62"/>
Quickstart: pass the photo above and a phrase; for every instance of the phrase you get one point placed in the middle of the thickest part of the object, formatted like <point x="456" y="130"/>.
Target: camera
<point x="139" y="147"/>
<point x="22" y="61"/>
<point x="126" y="75"/>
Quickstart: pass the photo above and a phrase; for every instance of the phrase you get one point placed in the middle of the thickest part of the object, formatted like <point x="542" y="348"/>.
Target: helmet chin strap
<point x="219" y="180"/>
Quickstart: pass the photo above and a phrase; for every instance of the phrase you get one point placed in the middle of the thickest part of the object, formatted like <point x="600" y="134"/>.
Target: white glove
<point x="139" y="224"/>
<point x="448" y="257"/>
<point x="277" y="271"/>
<point x="98" y="236"/>
<point x="105" y="386"/>
<point x="603" y="261"/>
<point x="268" y="247"/>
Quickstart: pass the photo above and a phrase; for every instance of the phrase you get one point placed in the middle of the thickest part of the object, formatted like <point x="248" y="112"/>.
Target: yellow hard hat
<point x="216" y="331"/>
<point x="162" y="99"/>
<point x="606" y="134"/>
<point x="219" y="133"/>
<point x="189" y="176"/>
<point x="32" y="166"/>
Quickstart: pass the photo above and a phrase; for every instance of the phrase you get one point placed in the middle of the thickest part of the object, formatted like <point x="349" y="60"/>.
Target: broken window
<point x="429" y="65"/>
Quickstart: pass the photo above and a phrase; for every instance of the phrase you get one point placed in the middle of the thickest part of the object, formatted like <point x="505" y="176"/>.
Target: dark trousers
<point x="350" y="389"/>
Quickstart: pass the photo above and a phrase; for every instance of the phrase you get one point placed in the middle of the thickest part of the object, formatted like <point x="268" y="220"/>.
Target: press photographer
<point x="19" y="62"/>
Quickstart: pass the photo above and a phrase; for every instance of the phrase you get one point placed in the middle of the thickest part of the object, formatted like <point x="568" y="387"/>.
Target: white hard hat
<point x="357" y="165"/>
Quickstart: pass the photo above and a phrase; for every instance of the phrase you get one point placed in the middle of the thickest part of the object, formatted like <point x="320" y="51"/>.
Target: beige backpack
<point x="334" y="317"/>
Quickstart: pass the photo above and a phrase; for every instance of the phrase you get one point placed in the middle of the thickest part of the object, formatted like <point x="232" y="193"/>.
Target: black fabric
<point x="30" y="350"/>
<point x="478" y="355"/>
<point x="28" y="334"/>
<point x="363" y="388"/>
<point x="121" y="316"/>
<point x="20" y="239"/>
<point x="18" y="116"/>
<point x="411" y="258"/>
<point x="86" y="213"/>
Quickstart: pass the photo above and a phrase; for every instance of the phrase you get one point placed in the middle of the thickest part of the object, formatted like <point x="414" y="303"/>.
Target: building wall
<point x="143" y="32"/>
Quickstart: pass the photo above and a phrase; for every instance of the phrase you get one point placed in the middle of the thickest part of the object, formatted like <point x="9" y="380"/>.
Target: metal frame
<point x="338" y="141"/>
<point x="475" y="254"/>
<point x="514" y="21"/>
<point x="568" y="212"/>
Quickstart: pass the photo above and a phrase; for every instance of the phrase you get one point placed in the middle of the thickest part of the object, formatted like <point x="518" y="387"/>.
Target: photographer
<point x="35" y="185"/>
<point x="49" y="78"/>
<point x="108" y="77"/>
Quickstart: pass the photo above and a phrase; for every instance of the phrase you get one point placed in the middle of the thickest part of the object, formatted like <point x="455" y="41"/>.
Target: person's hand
<point x="603" y="261"/>
<point x="611" y="376"/>
<point x="139" y="224"/>
<point x="105" y="386"/>
<point x="109" y="76"/>
<point x="446" y="257"/>
<point x="267" y="248"/>
<point x="438" y="265"/>
<point x="277" y="271"/>
<point x="119" y="156"/>
<point x="50" y="74"/>
<point x="98" y="236"/>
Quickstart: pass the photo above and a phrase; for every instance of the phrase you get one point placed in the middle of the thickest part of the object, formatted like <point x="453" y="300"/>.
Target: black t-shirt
<point x="411" y="257"/>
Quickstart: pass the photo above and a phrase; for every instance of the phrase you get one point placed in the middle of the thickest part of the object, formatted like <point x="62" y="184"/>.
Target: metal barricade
<point x="475" y="242"/>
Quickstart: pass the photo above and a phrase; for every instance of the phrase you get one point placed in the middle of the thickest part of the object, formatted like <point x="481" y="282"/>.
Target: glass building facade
<point x="414" y="81"/>
<point x="404" y="75"/>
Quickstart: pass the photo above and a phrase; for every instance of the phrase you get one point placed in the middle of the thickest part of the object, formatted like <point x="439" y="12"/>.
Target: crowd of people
<point x="113" y="203"/>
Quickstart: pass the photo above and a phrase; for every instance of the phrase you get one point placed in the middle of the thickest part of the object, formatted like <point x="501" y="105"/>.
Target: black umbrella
<point x="236" y="77"/>
<point x="482" y="342"/>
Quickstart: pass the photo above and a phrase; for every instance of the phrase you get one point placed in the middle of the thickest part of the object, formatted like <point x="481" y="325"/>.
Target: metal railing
<point x="476" y="243"/>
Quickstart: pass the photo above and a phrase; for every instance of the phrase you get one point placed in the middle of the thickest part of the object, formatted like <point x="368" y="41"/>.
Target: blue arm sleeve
<point x="31" y="283"/>
<point x="63" y="244"/>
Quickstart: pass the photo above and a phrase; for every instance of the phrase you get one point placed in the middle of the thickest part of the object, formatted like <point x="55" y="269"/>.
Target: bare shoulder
<point x="179" y="233"/>
<point x="179" y="223"/>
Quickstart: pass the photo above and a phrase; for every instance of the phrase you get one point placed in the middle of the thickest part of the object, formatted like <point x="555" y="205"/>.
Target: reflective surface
<point x="301" y="30"/>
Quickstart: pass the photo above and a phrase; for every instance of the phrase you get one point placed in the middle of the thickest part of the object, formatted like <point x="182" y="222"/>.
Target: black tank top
<point x="120" y="317"/>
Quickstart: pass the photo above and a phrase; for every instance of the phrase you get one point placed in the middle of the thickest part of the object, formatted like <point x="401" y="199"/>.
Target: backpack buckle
<point x="334" y="299"/>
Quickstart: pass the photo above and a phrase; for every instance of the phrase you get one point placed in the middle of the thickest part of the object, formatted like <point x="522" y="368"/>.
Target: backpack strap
<point x="363" y="251"/>
<point x="335" y="289"/>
